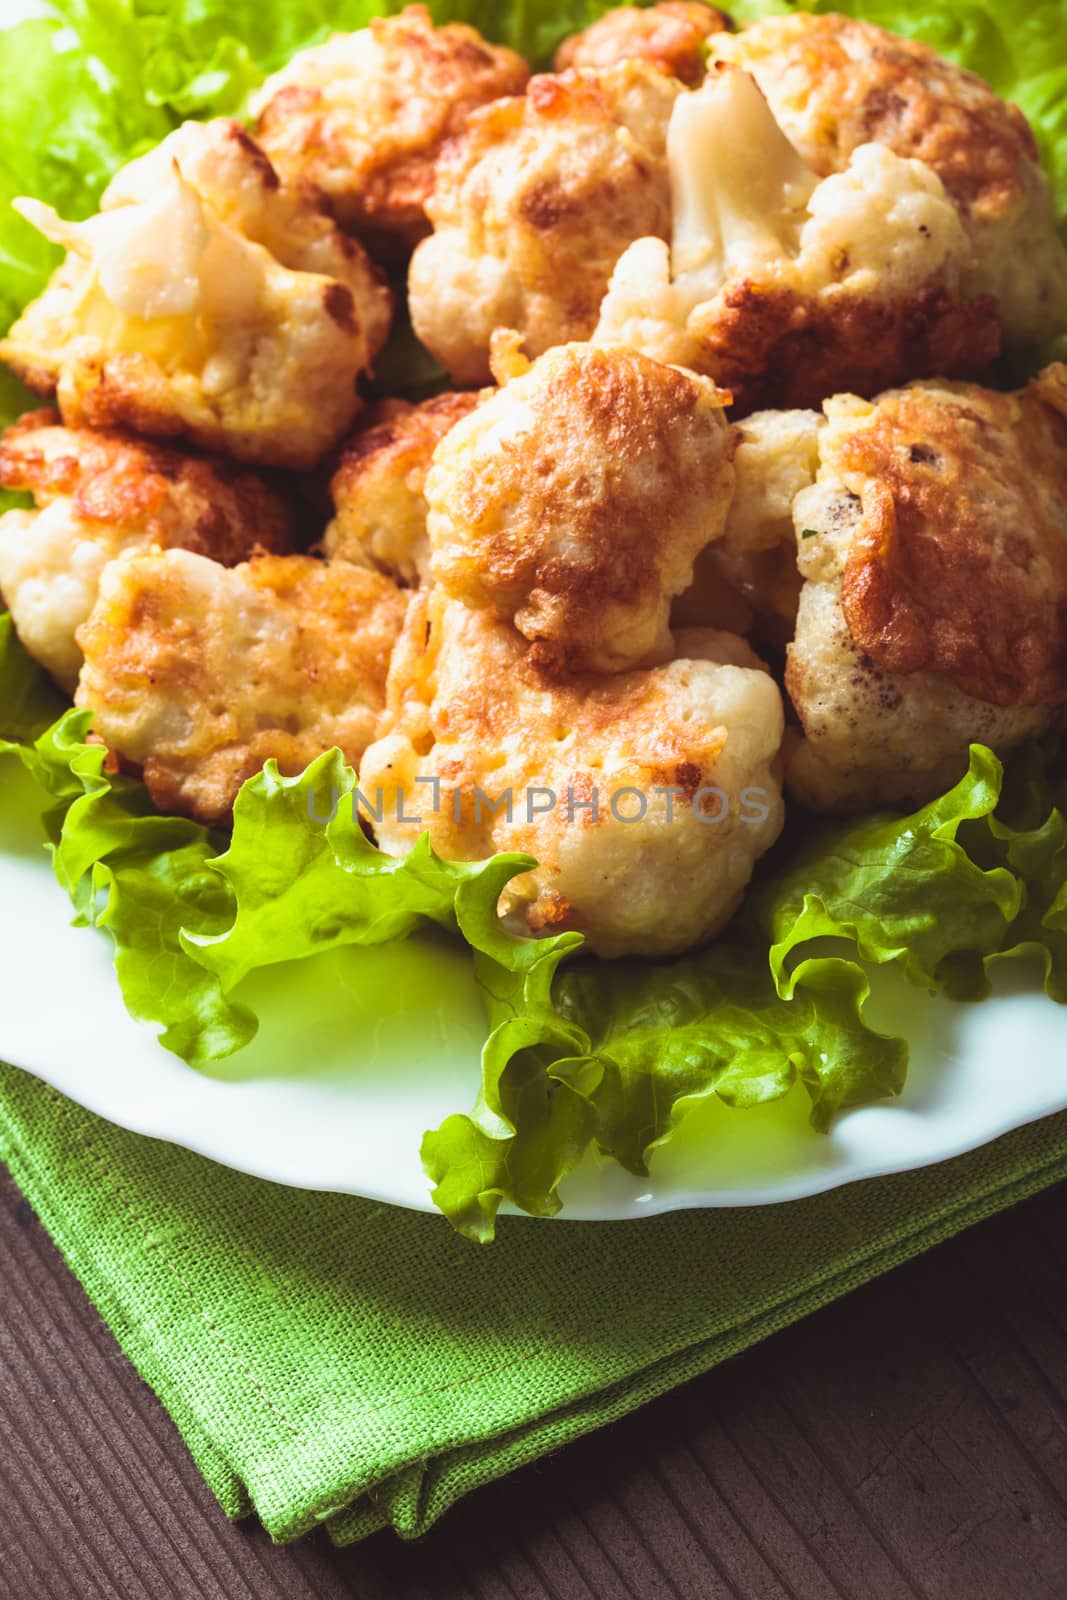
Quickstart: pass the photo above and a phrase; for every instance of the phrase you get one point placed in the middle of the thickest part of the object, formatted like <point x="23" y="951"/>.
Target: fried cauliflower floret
<point x="99" y="495"/>
<point x="378" y="490"/>
<point x="198" y="674"/>
<point x="230" y="171"/>
<point x="171" y="315"/>
<point x="835" y="84"/>
<point x="645" y="797"/>
<point x="575" y="500"/>
<point x="785" y="289"/>
<point x="934" y="609"/>
<point x="364" y="116"/>
<point x="534" y="204"/>
<point x="672" y="35"/>
<point x="753" y="566"/>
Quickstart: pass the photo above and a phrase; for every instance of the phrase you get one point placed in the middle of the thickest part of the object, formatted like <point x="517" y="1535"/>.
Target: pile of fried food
<point x="709" y="300"/>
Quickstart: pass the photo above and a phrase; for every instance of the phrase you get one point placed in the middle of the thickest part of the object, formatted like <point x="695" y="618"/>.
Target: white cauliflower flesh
<point x="784" y="288"/>
<point x="575" y="500"/>
<point x="777" y="456"/>
<point x="934" y="609"/>
<point x="173" y="315"/>
<point x="49" y="578"/>
<point x="229" y="170"/>
<point x="645" y="797"/>
<point x="363" y="116"/>
<point x="199" y="674"/>
<point x="748" y="579"/>
<point x="99" y="495"/>
<point x="835" y="83"/>
<point x="533" y="205"/>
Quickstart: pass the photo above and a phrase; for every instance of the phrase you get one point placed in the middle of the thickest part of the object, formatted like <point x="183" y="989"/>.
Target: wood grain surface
<point x="909" y="1443"/>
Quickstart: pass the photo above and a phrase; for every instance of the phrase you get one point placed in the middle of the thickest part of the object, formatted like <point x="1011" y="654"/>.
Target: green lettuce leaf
<point x="715" y="1024"/>
<point x="902" y="892"/>
<point x="617" y="1055"/>
<point x="191" y="912"/>
<point x="303" y="877"/>
<point x="145" y="879"/>
<point x="533" y="1119"/>
<point x="942" y="894"/>
<point x="28" y="702"/>
<point x="71" y="112"/>
<point x="1028" y="838"/>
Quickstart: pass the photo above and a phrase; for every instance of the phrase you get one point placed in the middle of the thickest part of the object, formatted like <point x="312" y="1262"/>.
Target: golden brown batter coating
<point x="835" y="84"/>
<point x="959" y="565"/>
<point x="534" y="204"/>
<point x="101" y="494"/>
<point x="378" y="489"/>
<point x="671" y="35"/>
<point x="363" y="117"/>
<point x="199" y="674"/>
<point x="576" y="499"/>
<point x="680" y="763"/>
<point x="778" y="347"/>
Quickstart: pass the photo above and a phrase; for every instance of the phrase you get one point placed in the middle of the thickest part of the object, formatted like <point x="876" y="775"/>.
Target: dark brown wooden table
<point x="909" y="1443"/>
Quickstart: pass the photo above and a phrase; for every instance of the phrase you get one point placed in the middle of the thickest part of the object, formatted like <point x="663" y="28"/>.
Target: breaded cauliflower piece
<point x="198" y="674"/>
<point x="934" y="609"/>
<point x="672" y="35"/>
<point x="207" y="301"/>
<point x="575" y="500"/>
<point x="364" y="116"/>
<point x="99" y="495"/>
<point x="378" y="489"/>
<point x="230" y="171"/>
<point x="534" y="204"/>
<point x="646" y="797"/>
<point x="835" y="84"/>
<point x="785" y="289"/>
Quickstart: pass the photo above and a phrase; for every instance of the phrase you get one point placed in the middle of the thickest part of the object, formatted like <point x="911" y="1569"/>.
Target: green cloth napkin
<point x="329" y="1360"/>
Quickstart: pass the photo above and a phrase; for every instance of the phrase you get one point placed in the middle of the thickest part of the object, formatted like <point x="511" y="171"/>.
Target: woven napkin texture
<point x="330" y="1360"/>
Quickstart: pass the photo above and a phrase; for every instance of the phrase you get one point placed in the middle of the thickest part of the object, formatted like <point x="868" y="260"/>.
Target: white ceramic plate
<point x="351" y="1066"/>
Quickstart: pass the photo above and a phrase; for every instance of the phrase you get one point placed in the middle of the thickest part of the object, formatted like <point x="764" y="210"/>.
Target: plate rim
<point x="805" y="1188"/>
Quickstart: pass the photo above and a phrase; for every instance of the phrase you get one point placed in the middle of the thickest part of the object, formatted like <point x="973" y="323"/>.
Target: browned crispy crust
<point x="403" y="440"/>
<point x="378" y="488"/>
<point x="468" y="706"/>
<point x="772" y="347"/>
<point x="960" y="562"/>
<point x="553" y="186"/>
<point x="321" y="682"/>
<point x="670" y="35"/>
<point x="578" y="529"/>
<point x="114" y="394"/>
<point x="857" y="84"/>
<point x="379" y="176"/>
<point x="579" y="222"/>
<point x="207" y="505"/>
